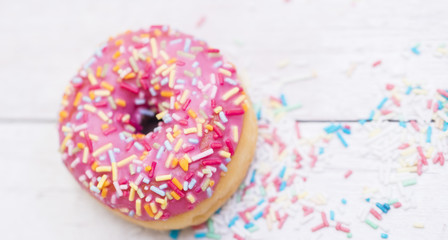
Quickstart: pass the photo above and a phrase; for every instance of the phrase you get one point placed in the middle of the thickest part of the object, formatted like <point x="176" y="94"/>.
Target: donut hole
<point x="148" y="123"/>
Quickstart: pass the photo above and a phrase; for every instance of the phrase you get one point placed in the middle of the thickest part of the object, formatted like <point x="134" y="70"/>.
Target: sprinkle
<point x="409" y="182"/>
<point x="203" y="154"/>
<point x="157" y="190"/>
<point x="342" y="139"/>
<point x="102" y="149"/>
<point x="163" y="177"/>
<point x="126" y="160"/>
<point x="371" y="224"/>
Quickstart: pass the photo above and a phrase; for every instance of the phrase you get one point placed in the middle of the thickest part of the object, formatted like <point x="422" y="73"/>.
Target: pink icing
<point x="201" y="82"/>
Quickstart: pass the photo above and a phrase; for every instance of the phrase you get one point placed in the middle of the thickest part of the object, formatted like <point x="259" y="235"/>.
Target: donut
<point x="158" y="128"/>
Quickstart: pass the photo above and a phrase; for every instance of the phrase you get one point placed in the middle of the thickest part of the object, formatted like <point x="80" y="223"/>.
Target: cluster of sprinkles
<point x="162" y="74"/>
<point x="276" y="191"/>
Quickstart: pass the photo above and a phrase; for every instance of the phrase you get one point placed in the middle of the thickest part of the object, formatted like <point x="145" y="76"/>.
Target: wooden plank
<point x="39" y="193"/>
<point x="43" y="49"/>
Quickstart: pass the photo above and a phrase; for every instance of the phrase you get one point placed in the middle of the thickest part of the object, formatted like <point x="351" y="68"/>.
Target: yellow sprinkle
<point x="103" y="116"/>
<point x="177" y="133"/>
<point x="90" y="108"/>
<point x="138" y="207"/>
<point x="178" y="145"/>
<point x="99" y="69"/>
<point x="158" y="215"/>
<point x="126" y="160"/>
<point x="191" y="198"/>
<point x="170" y="137"/>
<point x="148" y="210"/>
<point x="199" y="127"/>
<point x="163" y="177"/>
<point x="205" y="184"/>
<point x="192" y="113"/>
<point x="186" y="156"/>
<point x="64" y="142"/>
<point x="184" y="97"/>
<point x="101" y="182"/>
<point x="230" y="93"/>
<point x="161" y="69"/>
<point x="120" y="102"/>
<point x="217" y="109"/>
<point x="174" y="194"/>
<point x="224" y="154"/>
<point x="114" y="171"/>
<point x="190" y="130"/>
<point x="161" y="115"/>
<point x="94" y="165"/>
<point x="235" y="133"/>
<point x="92" y="78"/>
<point x="239" y="99"/>
<point x="102" y="149"/>
<point x="85" y="155"/>
<point x="183" y="164"/>
<point x="168" y="70"/>
<point x="154" y="48"/>
<point x="419" y="225"/>
<point x="77" y="99"/>
<point x="176" y="106"/>
<point x="131" y="195"/>
<point x="171" y="79"/>
<point x="103" y="169"/>
<point x="153" y="207"/>
<point x="225" y="72"/>
<point x="177" y="183"/>
<point x="133" y="185"/>
<point x="164" y="55"/>
<point x="168" y="160"/>
<point x="220" y="125"/>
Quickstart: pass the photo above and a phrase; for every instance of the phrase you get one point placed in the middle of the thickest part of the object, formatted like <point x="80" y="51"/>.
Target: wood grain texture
<point x="44" y="42"/>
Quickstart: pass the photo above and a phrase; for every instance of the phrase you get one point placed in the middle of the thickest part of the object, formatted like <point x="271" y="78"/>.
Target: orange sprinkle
<point x="99" y="69"/>
<point x="167" y="93"/>
<point x="116" y="68"/>
<point x="212" y="183"/>
<point x="107" y="86"/>
<point x="177" y="183"/>
<point x="148" y="60"/>
<point x="104" y="126"/>
<point x="144" y="35"/>
<point x="157" y="32"/>
<point x="159" y="62"/>
<point x="176" y="105"/>
<point x="148" y="168"/>
<point x="157" y="86"/>
<point x="80" y="145"/>
<point x="171" y="61"/>
<point x="244" y="105"/>
<point x="176" y="133"/>
<point x="209" y="127"/>
<point x="63" y="114"/>
<point x="130" y="75"/>
<point x="192" y="113"/>
<point x="92" y="95"/>
<point x="140" y="135"/>
<point x="174" y="162"/>
<point x="148" y="210"/>
<point x="183" y="163"/>
<point x="107" y="183"/>
<point x="120" y="102"/>
<point x="116" y="54"/>
<point x="104" y="192"/>
<point x="174" y="194"/>
<point x="94" y="165"/>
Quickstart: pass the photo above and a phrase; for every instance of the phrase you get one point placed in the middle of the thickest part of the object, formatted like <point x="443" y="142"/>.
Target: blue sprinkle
<point x="233" y="221"/>
<point x="159" y="153"/>
<point x="94" y="189"/>
<point x="174" y="234"/>
<point x="102" y="158"/>
<point x="79" y="115"/>
<point x="428" y="134"/>
<point x="86" y="99"/>
<point x="402" y="124"/>
<point x="146" y="112"/>
<point x="157" y="190"/>
<point x="194" y="81"/>
<point x="116" y="150"/>
<point x="217" y="64"/>
<point x="209" y="192"/>
<point x="193" y="140"/>
<point x="367" y="199"/>
<point x="261" y="202"/>
<point x="282" y="97"/>
<point x="362" y="122"/>
<point x="163" y="186"/>
<point x="445" y="126"/>
<point x="129" y="139"/>
<point x="321" y="150"/>
<point x="223" y="117"/>
<point x="89" y="63"/>
<point x="187" y="45"/>
<point x="381" y="207"/>
<point x="386" y="206"/>
<point x="249" y="225"/>
<point x="282" y="186"/>
<point x="195" y="64"/>
<point x="153" y="92"/>
<point x="185" y="185"/>
<point x="382" y="103"/>
<point x="223" y="167"/>
<point x="131" y="213"/>
<point x="164" y="81"/>
<point x="200" y="235"/>
<point x="258" y="215"/>
<point x="176" y="41"/>
<point x="146" y="180"/>
<point x="259" y="114"/>
<point x="346" y="130"/>
<point x="282" y="172"/>
<point x="192" y="183"/>
<point x="372" y="114"/>
<point x="415" y="50"/>
<point x="230" y="81"/>
<point x="342" y="139"/>
<point x="218" y="211"/>
<point x="180" y="81"/>
<point x="384" y="235"/>
<point x="139" y="101"/>
<point x="139" y="169"/>
<point x="409" y="90"/>
<point x="332" y="128"/>
<point x="228" y="160"/>
<point x="332" y="215"/>
<point x="252" y="178"/>
<point x="168" y="145"/>
<point x="76" y="80"/>
<point x="138" y="146"/>
<point x="343" y="201"/>
<point x="441" y="105"/>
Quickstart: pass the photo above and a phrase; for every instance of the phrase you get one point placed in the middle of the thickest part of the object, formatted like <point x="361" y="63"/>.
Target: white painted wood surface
<point x="44" y="42"/>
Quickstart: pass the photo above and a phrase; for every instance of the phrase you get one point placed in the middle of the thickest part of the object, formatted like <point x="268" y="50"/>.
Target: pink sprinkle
<point x="341" y="228"/>
<point x="419" y="167"/>
<point x="307" y="210"/>
<point x="436" y="107"/>
<point x="244" y="217"/>
<point x="282" y="221"/>
<point x="403" y="146"/>
<point x="201" y="21"/>
<point x="385" y="112"/>
<point x="436" y="158"/>
<point x="422" y="155"/>
<point x="375" y="214"/>
<point x="442" y="92"/>
<point x="88" y="141"/>
<point x="153" y="169"/>
<point x="188" y="176"/>
<point x="415" y="125"/>
<point x="218" y="132"/>
<point x="188" y="149"/>
<point x="215" y="145"/>
<point x="395" y="101"/>
<point x="185" y="106"/>
<point x="348" y="174"/>
<point x="129" y="87"/>
<point x="389" y="86"/>
<point x="324" y="219"/>
<point x="237" y="237"/>
<point x="397" y="205"/>
<point x="298" y="131"/>
<point x="429" y="104"/>
<point x="375" y="64"/>
<point x="318" y="227"/>
<point x="441" y="159"/>
<point x="229" y="146"/>
<point x="313" y="160"/>
<point x="211" y="162"/>
<point x="232" y="112"/>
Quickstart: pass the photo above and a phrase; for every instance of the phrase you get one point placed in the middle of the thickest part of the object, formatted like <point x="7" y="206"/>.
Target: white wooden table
<point x="44" y="42"/>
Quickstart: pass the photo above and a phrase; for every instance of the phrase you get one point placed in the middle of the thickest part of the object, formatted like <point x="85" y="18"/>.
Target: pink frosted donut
<point x="157" y="127"/>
